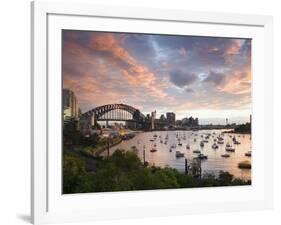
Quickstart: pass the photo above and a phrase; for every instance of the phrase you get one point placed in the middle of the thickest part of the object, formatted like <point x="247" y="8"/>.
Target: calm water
<point x="214" y="163"/>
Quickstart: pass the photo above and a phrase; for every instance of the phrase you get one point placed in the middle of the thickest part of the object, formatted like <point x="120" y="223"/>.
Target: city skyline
<point x="203" y="77"/>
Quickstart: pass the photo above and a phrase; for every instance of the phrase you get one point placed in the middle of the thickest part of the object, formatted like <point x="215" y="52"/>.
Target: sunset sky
<point x="204" y="77"/>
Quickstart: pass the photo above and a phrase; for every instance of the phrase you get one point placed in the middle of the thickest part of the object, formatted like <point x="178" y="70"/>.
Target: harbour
<point x="217" y="150"/>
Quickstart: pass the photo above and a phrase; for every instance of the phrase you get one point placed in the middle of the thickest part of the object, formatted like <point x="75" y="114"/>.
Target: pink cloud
<point x="183" y="52"/>
<point x="239" y="82"/>
<point x="113" y="77"/>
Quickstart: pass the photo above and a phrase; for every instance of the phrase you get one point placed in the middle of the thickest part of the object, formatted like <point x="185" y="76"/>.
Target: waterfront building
<point x="190" y="122"/>
<point x="70" y="105"/>
<point x="171" y="118"/>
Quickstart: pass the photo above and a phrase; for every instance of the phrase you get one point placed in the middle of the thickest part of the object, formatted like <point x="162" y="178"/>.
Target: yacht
<point x="237" y="142"/>
<point x="230" y="149"/>
<point x="220" y="138"/>
<point x="196" y="151"/>
<point x="179" y="154"/>
<point x="215" y="146"/>
<point x="202" y="156"/>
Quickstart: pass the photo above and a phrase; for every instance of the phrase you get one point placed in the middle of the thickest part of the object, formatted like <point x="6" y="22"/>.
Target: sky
<point x="204" y="77"/>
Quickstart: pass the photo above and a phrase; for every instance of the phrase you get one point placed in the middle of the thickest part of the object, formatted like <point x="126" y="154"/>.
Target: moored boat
<point x="237" y="142"/>
<point x="202" y="156"/>
<point x="179" y="154"/>
<point x="230" y="149"/>
<point x="196" y="151"/>
<point x="215" y="146"/>
<point x="245" y="165"/>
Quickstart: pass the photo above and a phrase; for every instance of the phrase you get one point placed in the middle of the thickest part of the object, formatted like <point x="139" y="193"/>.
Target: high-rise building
<point x="153" y="116"/>
<point x="70" y="105"/>
<point x="171" y="118"/>
<point x="162" y="118"/>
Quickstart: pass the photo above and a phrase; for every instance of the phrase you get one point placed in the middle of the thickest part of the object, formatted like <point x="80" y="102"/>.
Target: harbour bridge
<point x="112" y="112"/>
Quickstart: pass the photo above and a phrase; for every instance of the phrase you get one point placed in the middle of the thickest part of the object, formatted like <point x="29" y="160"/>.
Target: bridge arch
<point x="104" y="113"/>
<point x="111" y="112"/>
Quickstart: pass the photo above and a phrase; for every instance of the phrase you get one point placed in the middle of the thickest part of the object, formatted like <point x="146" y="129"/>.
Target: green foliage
<point x="75" y="177"/>
<point x="225" y="178"/>
<point x="72" y="137"/>
<point x="124" y="171"/>
<point x="243" y="128"/>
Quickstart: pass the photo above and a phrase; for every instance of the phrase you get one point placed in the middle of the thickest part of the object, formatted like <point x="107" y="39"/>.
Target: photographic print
<point x="154" y="111"/>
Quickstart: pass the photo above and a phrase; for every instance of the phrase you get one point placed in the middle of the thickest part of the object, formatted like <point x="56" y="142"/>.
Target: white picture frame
<point x="47" y="203"/>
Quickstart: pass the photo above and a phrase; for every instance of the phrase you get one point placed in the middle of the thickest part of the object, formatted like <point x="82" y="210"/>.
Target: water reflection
<point x="166" y="156"/>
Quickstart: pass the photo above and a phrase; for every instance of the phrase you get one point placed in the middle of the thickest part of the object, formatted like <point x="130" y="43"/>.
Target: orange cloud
<point x="106" y="73"/>
<point x="136" y="74"/>
<point x="107" y="43"/>
<point x="239" y="82"/>
<point x="234" y="49"/>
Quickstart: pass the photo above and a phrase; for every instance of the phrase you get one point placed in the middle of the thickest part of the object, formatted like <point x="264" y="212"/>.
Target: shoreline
<point x="235" y="132"/>
<point x="99" y="151"/>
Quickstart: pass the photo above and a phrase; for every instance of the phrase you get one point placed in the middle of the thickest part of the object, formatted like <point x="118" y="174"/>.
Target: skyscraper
<point x="70" y="105"/>
<point x="171" y="118"/>
<point x="153" y="116"/>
